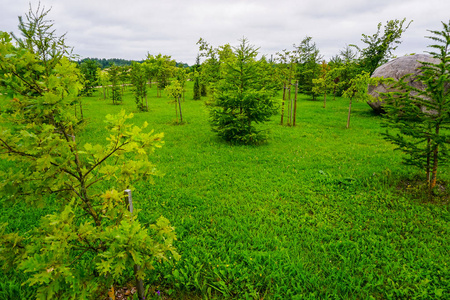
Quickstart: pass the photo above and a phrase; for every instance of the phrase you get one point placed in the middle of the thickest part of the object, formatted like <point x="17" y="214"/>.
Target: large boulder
<point x="396" y="69"/>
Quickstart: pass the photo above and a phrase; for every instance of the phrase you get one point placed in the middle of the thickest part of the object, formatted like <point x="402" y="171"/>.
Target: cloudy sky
<point x="129" y="29"/>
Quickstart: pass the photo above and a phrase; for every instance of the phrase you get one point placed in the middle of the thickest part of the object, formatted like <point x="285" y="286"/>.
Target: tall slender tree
<point x="196" y="78"/>
<point x="139" y="80"/>
<point x="308" y="65"/>
<point x="114" y="80"/>
<point x="381" y="45"/>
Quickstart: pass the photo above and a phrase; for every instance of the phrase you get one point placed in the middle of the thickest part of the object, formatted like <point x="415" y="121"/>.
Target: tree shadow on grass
<point x="416" y="188"/>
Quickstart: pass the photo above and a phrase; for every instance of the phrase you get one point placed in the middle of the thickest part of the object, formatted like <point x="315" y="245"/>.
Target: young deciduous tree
<point x="286" y="70"/>
<point x="165" y="67"/>
<point x="175" y="91"/>
<point x="139" y="80"/>
<point x="89" y="68"/>
<point x="182" y="76"/>
<point x="242" y="98"/>
<point x="421" y="118"/>
<point x="91" y="240"/>
<point x="151" y="68"/>
<point x="358" y="90"/>
<point x="381" y="45"/>
<point x="324" y="83"/>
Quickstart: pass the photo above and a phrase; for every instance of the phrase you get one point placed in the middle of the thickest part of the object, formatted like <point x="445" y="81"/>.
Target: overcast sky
<point x="129" y="29"/>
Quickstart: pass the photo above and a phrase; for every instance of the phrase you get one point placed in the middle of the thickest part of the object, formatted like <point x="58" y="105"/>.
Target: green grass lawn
<point x="317" y="212"/>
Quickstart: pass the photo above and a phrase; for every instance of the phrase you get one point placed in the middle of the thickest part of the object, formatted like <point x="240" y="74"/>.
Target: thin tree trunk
<point x="81" y="110"/>
<point x="282" y="103"/>
<point x="349" y="112"/>
<point x="176" y="109"/>
<point x="291" y="107"/>
<point x="324" y="100"/>
<point x="295" y="101"/>
<point x="435" y="162"/>
<point x="179" y="104"/>
<point x="289" y="104"/>
<point x="428" y="160"/>
<point x="435" y="166"/>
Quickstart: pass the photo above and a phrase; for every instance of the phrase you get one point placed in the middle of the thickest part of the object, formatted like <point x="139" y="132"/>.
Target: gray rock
<point x="396" y="69"/>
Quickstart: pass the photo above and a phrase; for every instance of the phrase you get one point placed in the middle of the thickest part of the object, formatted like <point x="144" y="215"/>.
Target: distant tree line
<point x="107" y="62"/>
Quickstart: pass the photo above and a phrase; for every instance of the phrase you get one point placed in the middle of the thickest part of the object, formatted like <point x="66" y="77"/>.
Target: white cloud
<point x="130" y="29"/>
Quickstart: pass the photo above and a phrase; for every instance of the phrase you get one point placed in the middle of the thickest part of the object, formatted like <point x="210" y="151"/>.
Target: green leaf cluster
<point x="92" y="239"/>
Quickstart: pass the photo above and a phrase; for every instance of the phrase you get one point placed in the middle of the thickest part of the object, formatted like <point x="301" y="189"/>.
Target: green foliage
<point x="380" y="45"/>
<point x="242" y="98"/>
<point x="344" y="67"/>
<point x="325" y="82"/>
<point x="358" y="90"/>
<point x="420" y="118"/>
<point x="40" y="39"/>
<point x="196" y="78"/>
<point x="175" y="91"/>
<point x="91" y="239"/>
<point x="182" y="76"/>
<point x="308" y="65"/>
<point x="89" y="69"/>
<point x="139" y="77"/>
<point x="211" y="67"/>
<point x="114" y="80"/>
<point x="164" y="68"/>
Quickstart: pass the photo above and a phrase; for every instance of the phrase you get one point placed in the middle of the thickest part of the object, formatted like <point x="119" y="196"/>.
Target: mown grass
<point x="317" y="212"/>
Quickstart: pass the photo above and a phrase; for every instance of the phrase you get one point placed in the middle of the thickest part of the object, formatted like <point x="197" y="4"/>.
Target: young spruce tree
<point x="243" y="98"/>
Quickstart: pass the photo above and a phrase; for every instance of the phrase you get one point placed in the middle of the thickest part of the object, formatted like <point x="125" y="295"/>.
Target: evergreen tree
<point x="196" y="78"/>
<point x="113" y="76"/>
<point x="308" y="67"/>
<point x="242" y="98"/>
<point x="89" y="69"/>
<point x="421" y="118"/>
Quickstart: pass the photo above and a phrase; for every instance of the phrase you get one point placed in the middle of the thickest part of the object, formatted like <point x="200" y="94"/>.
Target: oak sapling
<point x="91" y="240"/>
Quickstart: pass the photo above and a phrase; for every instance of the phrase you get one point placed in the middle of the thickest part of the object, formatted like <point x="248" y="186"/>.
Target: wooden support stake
<point x="139" y="282"/>
<point x="179" y="105"/>
<point x="282" y="103"/>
